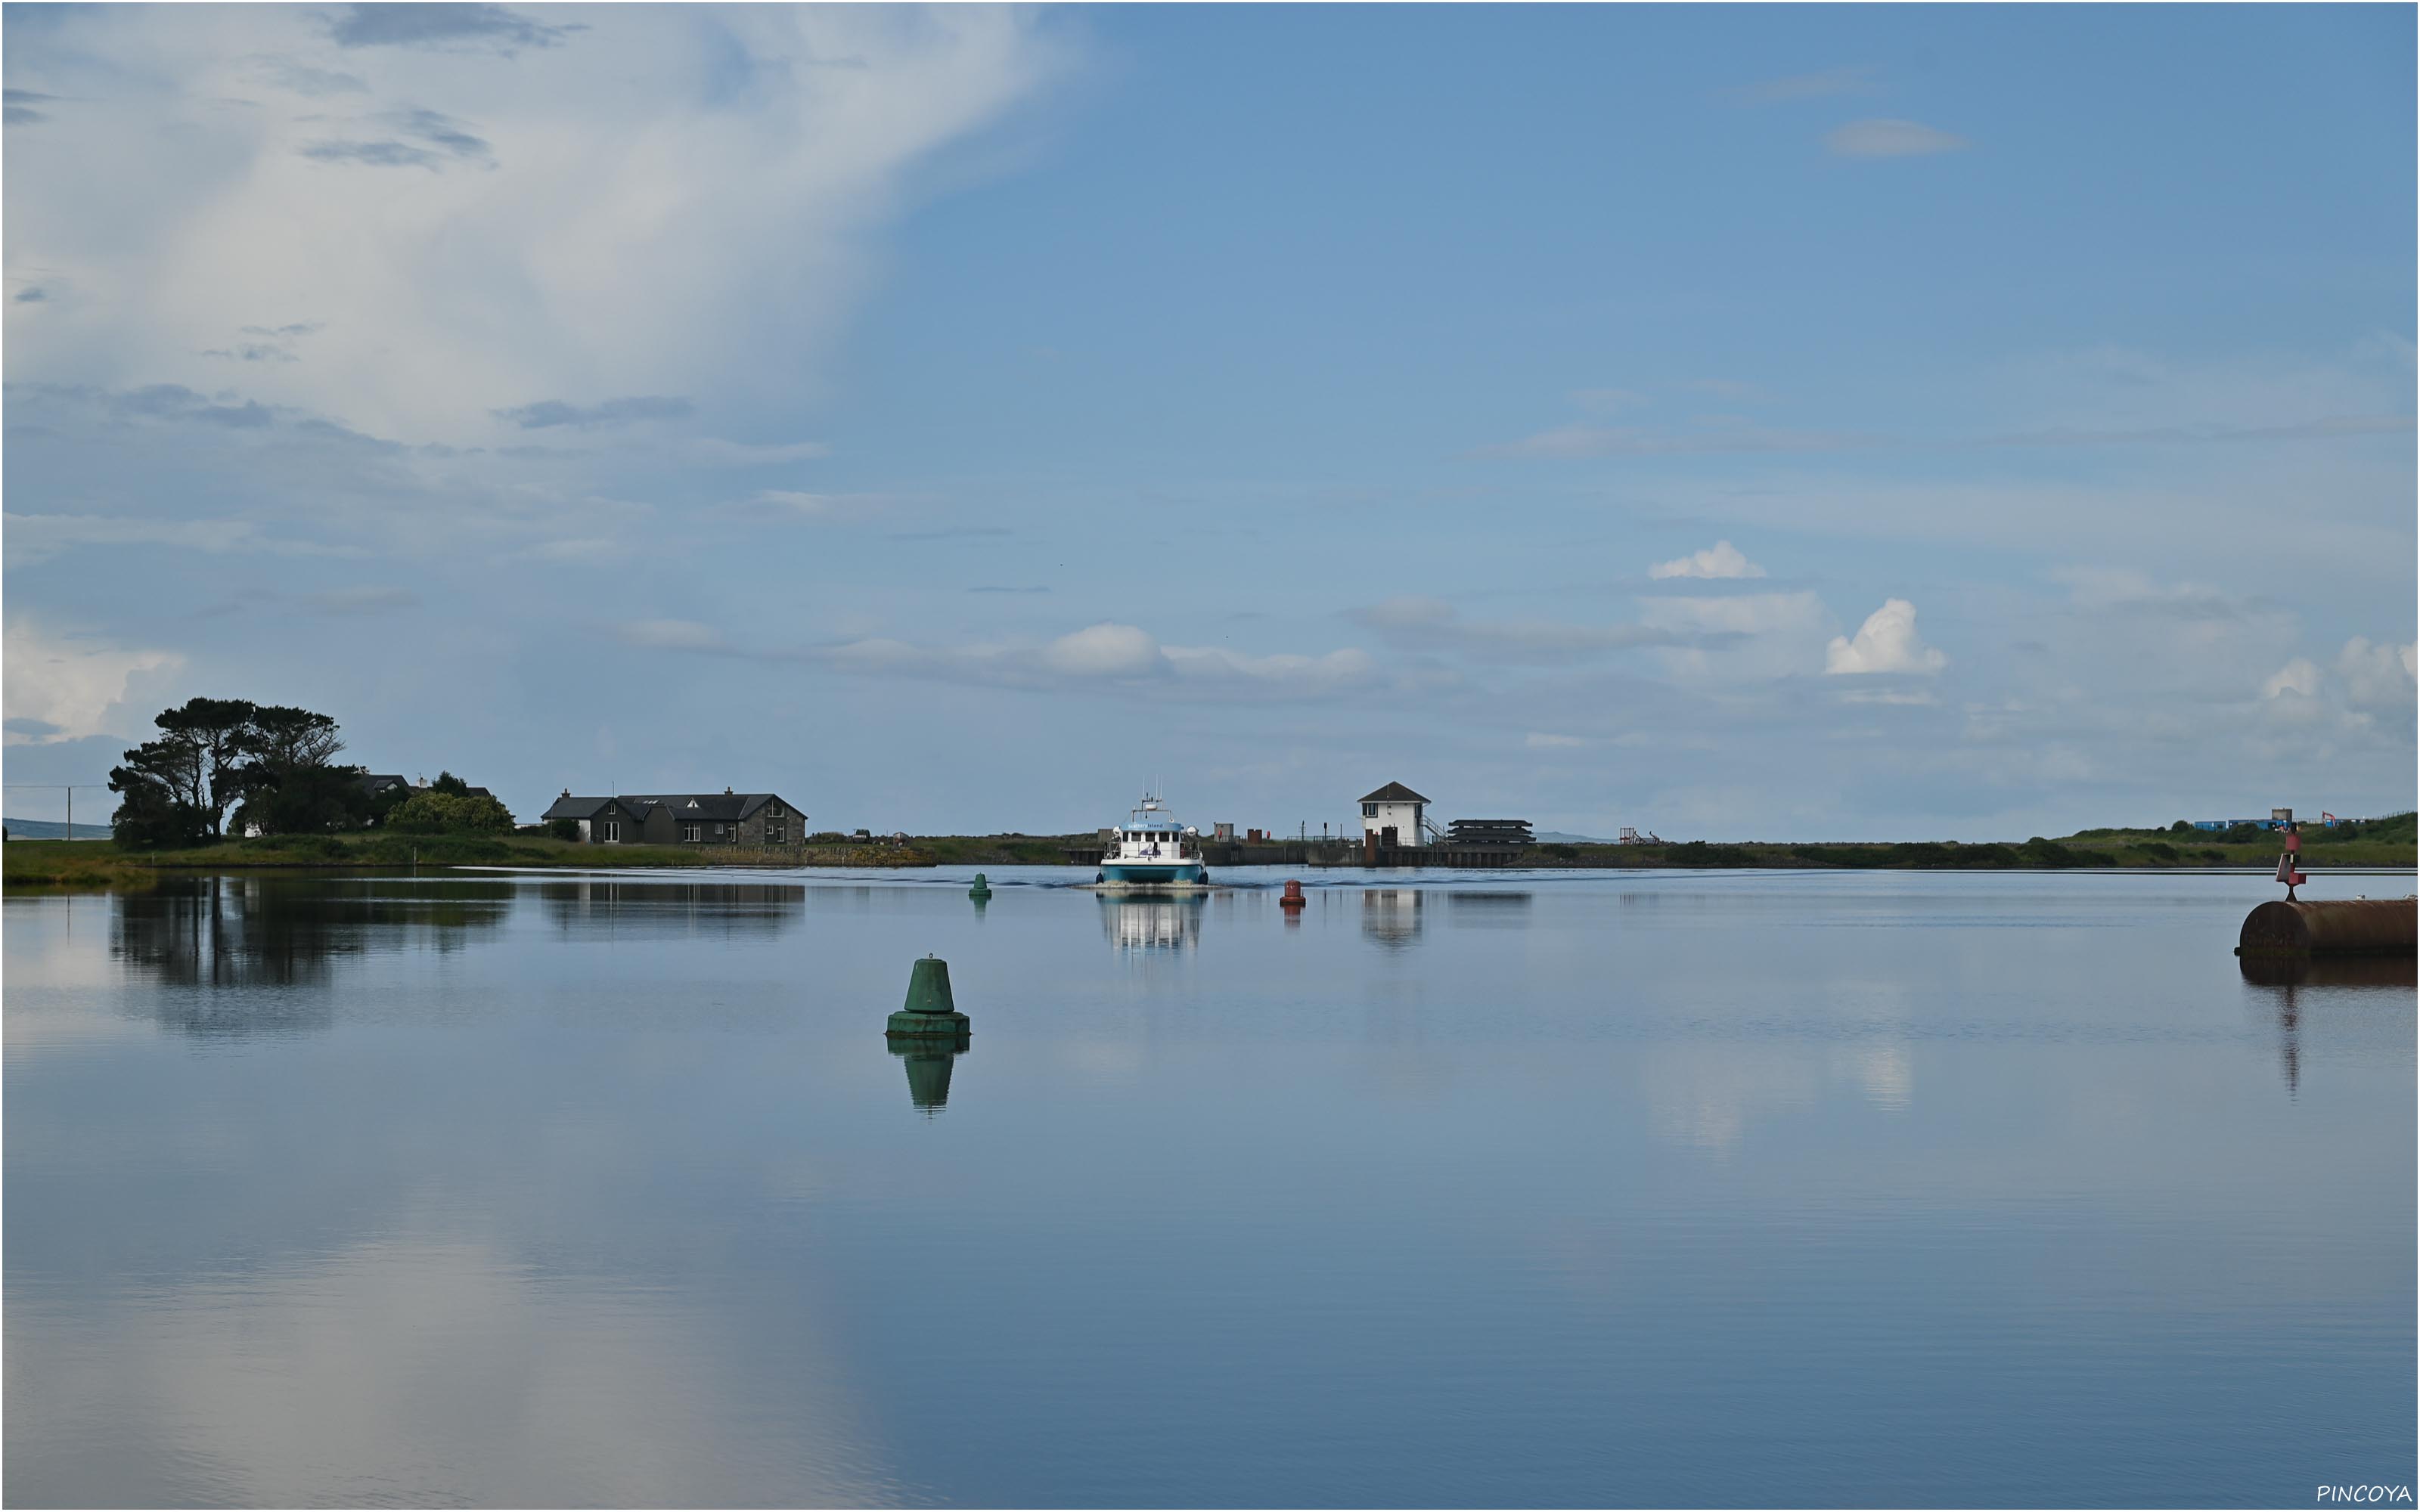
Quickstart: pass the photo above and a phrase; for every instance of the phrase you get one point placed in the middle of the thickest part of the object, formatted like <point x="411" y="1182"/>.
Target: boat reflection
<point x="1153" y="923"/>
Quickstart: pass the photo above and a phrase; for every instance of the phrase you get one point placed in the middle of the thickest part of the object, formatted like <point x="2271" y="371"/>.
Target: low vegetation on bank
<point x="57" y="863"/>
<point x="37" y="863"/>
<point x="2382" y="842"/>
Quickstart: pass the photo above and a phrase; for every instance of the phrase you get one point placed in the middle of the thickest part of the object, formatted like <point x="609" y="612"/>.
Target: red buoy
<point x="1292" y="898"/>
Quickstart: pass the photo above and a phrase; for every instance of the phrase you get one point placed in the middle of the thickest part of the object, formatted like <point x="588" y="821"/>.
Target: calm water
<point x="1663" y="1189"/>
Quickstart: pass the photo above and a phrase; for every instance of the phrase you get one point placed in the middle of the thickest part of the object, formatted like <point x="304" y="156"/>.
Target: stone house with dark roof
<point x="756" y="820"/>
<point x="378" y="784"/>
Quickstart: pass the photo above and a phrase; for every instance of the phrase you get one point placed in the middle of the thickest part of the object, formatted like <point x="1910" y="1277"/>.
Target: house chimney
<point x="726" y="793"/>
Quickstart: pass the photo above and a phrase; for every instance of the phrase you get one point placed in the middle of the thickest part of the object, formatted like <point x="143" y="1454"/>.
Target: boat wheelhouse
<point x="1153" y="850"/>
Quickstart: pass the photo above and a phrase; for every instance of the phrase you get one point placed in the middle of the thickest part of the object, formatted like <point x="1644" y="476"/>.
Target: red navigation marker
<point x="2287" y="871"/>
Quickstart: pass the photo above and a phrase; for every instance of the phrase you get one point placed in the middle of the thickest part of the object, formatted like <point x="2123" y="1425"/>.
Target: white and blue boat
<point x="1153" y="850"/>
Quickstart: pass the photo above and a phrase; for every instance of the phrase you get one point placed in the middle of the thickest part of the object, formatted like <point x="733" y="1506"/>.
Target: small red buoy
<point x="1292" y="898"/>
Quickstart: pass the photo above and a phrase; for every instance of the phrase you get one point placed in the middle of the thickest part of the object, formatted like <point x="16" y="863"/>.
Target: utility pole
<point x="68" y="788"/>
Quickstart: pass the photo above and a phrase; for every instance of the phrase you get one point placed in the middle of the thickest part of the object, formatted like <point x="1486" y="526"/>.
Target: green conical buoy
<point x="931" y="1012"/>
<point x="981" y="888"/>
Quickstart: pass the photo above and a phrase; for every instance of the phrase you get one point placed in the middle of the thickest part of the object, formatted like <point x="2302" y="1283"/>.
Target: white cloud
<point x="1433" y="624"/>
<point x="1890" y="697"/>
<point x="1406" y="611"/>
<point x="365" y="598"/>
<point x="33" y="538"/>
<point x="1886" y="138"/>
<point x="2118" y="395"/>
<point x="2300" y="677"/>
<point x="788" y="504"/>
<point x="2366" y="676"/>
<point x="1886" y="642"/>
<point x="1750" y="636"/>
<point x="1103" y="651"/>
<point x="1338" y="669"/>
<point x="669" y="203"/>
<point x="581" y="549"/>
<point x="1541" y="740"/>
<point x="1108" y="655"/>
<point x="2125" y="588"/>
<point x="2137" y="642"/>
<point x="2378" y="674"/>
<point x="1720" y="560"/>
<point x="718" y="453"/>
<point x="63" y="687"/>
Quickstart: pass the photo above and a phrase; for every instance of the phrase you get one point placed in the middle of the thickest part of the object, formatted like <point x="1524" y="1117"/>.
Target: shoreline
<point x="51" y="864"/>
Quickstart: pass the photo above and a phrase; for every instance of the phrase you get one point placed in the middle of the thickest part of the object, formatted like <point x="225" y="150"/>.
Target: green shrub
<point x="449" y="813"/>
<point x="2050" y="852"/>
<point x="1697" y="852"/>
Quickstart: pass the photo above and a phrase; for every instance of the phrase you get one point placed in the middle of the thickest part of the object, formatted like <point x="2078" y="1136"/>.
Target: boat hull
<point x="1154" y="873"/>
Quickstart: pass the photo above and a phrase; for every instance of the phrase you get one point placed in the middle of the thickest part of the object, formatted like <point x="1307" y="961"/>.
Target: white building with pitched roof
<point x="1394" y="816"/>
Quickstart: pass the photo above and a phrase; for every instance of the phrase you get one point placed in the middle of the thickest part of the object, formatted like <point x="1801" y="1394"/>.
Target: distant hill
<point x="1555" y="837"/>
<point x="51" y="829"/>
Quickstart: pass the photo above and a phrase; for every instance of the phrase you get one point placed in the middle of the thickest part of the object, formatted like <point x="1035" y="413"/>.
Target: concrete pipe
<point x="2336" y="926"/>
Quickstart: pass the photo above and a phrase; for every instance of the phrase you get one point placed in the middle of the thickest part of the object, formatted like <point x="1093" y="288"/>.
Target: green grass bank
<point x="2388" y="842"/>
<point x="55" y="863"/>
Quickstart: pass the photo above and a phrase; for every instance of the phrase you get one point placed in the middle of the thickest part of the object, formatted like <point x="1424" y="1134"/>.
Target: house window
<point x="775" y="810"/>
<point x="777" y="834"/>
<point x="1369" y="810"/>
<point x="688" y="832"/>
<point x="613" y="831"/>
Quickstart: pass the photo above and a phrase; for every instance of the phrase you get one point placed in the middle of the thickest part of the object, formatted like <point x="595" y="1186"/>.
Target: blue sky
<point x="1737" y="421"/>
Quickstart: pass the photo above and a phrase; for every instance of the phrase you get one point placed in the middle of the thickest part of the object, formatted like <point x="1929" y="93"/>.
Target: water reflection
<point x="1488" y="910"/>
<point x="1935" y="1172"/>
<point x="263" y="948"/>
<point x="606" y="907"/>
<point x="252" y="931"/>
<point x="1391" y="915"/>
<point x="2286" y="980"/>
<point x="928" y="1069"/>
<point x="1167" y="924"/>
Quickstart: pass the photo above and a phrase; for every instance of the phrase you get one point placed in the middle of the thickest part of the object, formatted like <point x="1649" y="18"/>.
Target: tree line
<point x="275" y="768"/>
